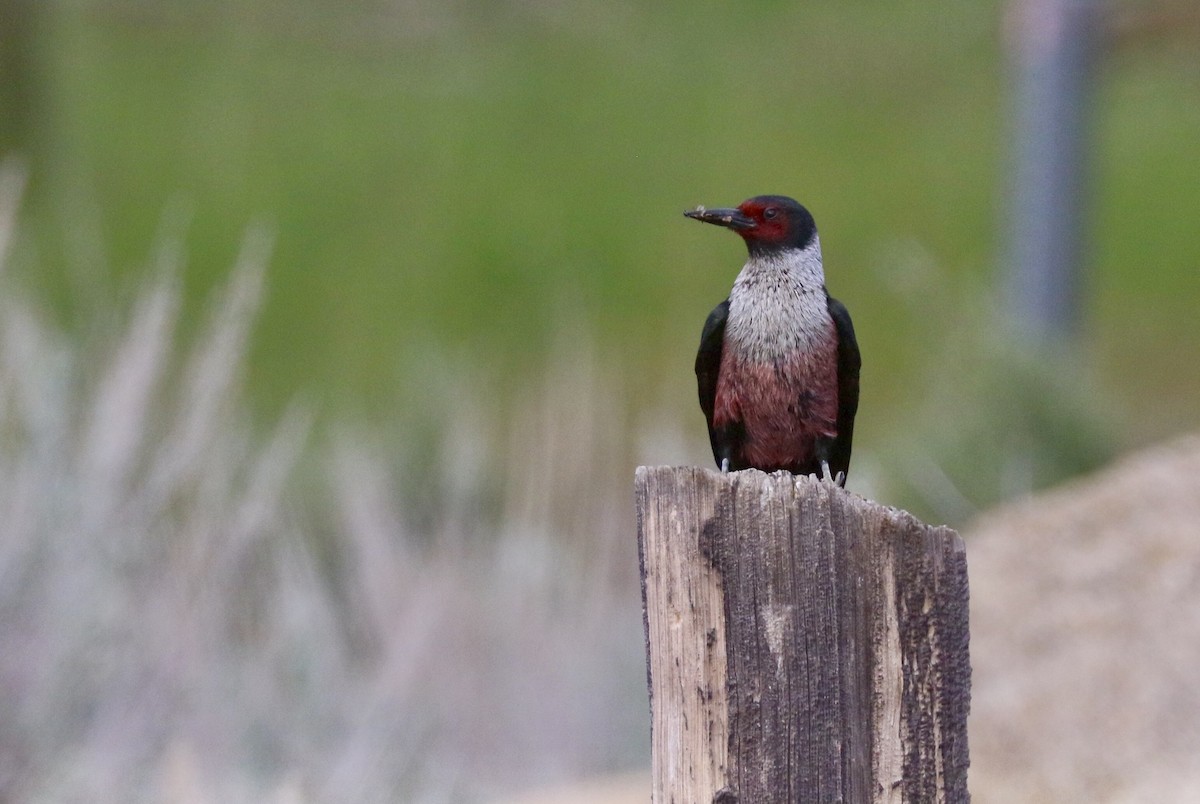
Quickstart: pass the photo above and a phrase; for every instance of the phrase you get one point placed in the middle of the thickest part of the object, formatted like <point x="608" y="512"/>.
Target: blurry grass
<point x="444" y="178"/>
<point x="1145" y="291"/>
<point x="447" y="174"/>
<point x="190" y="611"/>
<point x="989" y="415"/>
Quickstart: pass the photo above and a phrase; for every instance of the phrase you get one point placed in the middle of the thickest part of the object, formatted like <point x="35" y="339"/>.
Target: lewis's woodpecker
<point x="778" y="363"/>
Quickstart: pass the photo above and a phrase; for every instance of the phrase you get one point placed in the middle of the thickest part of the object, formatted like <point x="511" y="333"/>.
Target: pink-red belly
<point x="782" y="408"/>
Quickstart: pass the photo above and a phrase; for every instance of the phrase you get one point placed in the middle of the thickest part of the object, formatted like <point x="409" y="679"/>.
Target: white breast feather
<point x="778" y="304"/>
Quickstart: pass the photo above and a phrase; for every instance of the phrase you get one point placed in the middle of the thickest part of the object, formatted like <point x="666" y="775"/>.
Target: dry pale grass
<point x="192" y="611"/>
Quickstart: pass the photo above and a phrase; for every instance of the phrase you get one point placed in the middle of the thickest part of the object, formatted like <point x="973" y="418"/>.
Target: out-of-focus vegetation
<point x="464" y="173"/>
<point x="461" y="176"/>
<point x="186" y="614"/>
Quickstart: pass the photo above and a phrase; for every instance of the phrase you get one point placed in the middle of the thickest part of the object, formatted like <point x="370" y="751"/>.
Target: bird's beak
<point x="729" y="218"/>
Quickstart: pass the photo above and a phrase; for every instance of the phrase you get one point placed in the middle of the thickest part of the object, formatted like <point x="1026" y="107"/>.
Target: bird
<point x="778" y="365"/>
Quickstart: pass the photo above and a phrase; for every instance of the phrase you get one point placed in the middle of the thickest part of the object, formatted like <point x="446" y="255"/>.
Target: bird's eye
<point x="770" y="213"/>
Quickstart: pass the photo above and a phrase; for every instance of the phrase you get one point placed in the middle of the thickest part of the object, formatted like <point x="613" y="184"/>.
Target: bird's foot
<point x="724" y="466"/>
<point x="827" y="475"/>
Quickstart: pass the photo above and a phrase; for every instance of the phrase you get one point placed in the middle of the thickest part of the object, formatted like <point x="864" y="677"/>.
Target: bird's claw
<point x="827" y="475"/>
<point x="724" y="466"/>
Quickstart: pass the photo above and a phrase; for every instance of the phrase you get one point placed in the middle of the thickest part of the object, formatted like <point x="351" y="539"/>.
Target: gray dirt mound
<point x="1085" y="637"/>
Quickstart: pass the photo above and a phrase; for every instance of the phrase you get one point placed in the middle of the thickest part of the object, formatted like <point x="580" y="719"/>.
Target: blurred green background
<point x="477" y="178"/>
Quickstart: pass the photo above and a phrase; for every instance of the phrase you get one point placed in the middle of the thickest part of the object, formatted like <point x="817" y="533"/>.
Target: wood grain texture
<point x="803" y="644"/>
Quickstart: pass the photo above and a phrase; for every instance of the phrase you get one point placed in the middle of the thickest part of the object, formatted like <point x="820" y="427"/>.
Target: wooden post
<point x="803" y="644"/>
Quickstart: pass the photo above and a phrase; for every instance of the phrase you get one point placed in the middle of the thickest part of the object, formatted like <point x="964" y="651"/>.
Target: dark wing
<point x="708" y="365"/>
<point x="849" y="363"/>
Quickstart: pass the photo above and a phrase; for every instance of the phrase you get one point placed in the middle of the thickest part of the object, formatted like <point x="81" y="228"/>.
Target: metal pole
<point x="1053" y="45"/>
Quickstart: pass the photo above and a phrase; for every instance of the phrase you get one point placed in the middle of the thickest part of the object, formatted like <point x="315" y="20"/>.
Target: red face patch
<point x="771" y="221"/>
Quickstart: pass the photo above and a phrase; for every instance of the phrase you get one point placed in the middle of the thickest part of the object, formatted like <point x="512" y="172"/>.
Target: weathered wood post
<point x="803" y="644"/>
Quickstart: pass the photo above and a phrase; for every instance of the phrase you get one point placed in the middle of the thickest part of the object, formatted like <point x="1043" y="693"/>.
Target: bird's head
<point x="766" y="222"/>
